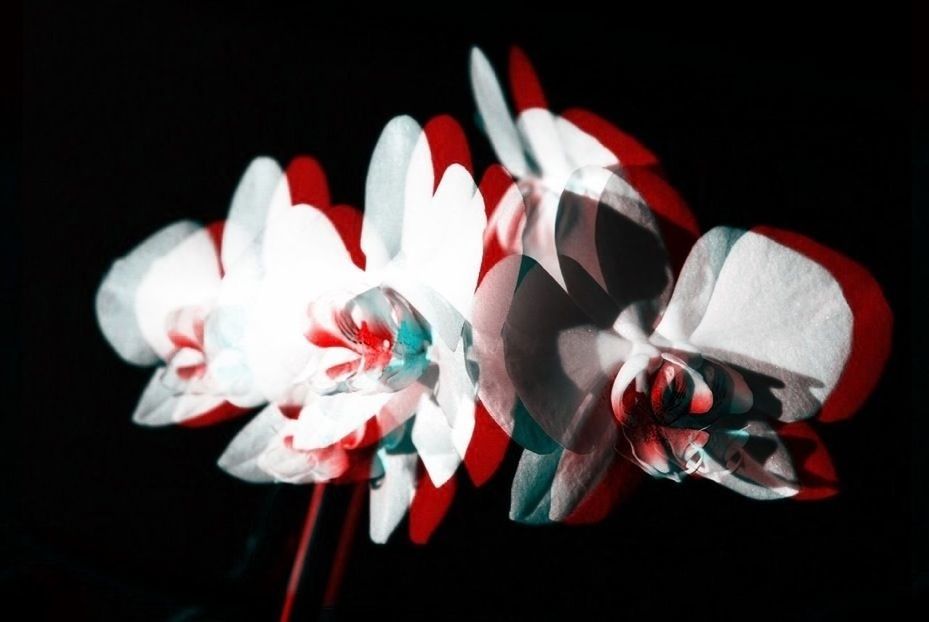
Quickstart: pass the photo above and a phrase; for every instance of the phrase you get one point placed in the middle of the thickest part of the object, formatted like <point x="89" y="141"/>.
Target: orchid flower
<point x="341" y="347"/>
<point x="713" y="376"/>
<point x="541" y="150"/>
<point x="155" y="304"/>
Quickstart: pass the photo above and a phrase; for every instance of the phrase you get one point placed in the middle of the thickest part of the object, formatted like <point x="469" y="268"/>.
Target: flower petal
<point x="163" y="402"/>
<point x="386" y="190"/>
<point x="116" y="299"/>
<point x="578" y="475"/>
<point x="392" y="494"/>
<point x="608" y="243"/>
<point x="429" y="507"/>
<point x="751" y="460"/>
<point x="496" y="117"/>
<point x="328" y="418"/>
<point x="540" y="135"/>
<point x="776" y="316"/>
<point x="248" y="212"/>
<point x="432" y="437"/>
<point x="241" y="456"/>
<point x="559" y="363"/>
<point x="443" y="242"/>
<point x="582" y="149"/>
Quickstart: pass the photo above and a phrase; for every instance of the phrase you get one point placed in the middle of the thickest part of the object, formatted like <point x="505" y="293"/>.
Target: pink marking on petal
<point x="342" y="369"/>
<point x="191" y="371"/>
<point x="524" y="82"/>
<point x="180" y="341"/>
<point x="325" y="339"/>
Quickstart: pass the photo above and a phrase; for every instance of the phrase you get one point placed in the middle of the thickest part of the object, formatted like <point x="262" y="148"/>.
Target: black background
<point x="134" y="118"/>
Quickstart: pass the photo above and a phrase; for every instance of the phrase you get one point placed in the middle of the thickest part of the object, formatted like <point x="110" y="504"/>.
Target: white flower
<point x="155" y="307"/>
<point x="541" y="150"/>
<point x="758" y="333"/>
<point x="387" y="343"/>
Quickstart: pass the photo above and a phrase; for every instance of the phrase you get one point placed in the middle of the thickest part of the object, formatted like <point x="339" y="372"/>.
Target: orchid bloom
<point x="155" y="306"/>
<point x="541" y="150"/>
<point x="369" y="359"/>
<point x="713" y="376"/>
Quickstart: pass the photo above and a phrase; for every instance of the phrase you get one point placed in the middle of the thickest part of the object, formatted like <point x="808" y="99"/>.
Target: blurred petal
<point x="392" y="494"/>
<point x="116" y="298"/>
<point x="582" y="149"/>
<point x="432" y="437"/>
<point x="815" y="471"/>
<point x="447" y="146"/>
<point x="164" y="403"/>
<point x="524" y="83"/>
<point x="386" y="190"/>
<point x="629" y="151"/>
<point x="506" y="216"/>
<point x="429" y="507"/>
<point x="498" y="122"/>
<point x="541" y="137"/>
<point x="487" y="448"/>
<point x="443" y="242"/>
<point x="241" y="456"/>
<point x="248" y="212"/>
<point x="187" y="277"/>
<point x="328" y="418"/>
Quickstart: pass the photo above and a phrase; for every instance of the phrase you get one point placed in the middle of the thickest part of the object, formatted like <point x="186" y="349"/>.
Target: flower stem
<point x="309" y="526"/>
<point x="344" y="548"/>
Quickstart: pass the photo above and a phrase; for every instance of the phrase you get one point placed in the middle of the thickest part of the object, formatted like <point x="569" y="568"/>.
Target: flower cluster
<point x="568" y="303"/>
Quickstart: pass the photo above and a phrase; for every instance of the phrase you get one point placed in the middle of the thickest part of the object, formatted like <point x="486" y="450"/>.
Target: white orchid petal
<point x="581" y="148"/>
<point x="248" y="212"/>
<point x="165" y="403"/>
<point x="432" y="437"/>
<point x="328" y="418"/>
<point x="540" y="134"/>
<point x="391" y="495"/>
<point x="443" y="240"/>
<point x="774" y="313"/>
<point x="611" y="251"/>
<point x="498" y="122"/>
<point x="116" y="308"/>
<point x="386" y="190"/>
<point x="241" y="456"/>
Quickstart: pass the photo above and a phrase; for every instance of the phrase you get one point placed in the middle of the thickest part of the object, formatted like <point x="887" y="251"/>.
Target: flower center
<point x="373" y="341"/>
<point x="683" y="391"/>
